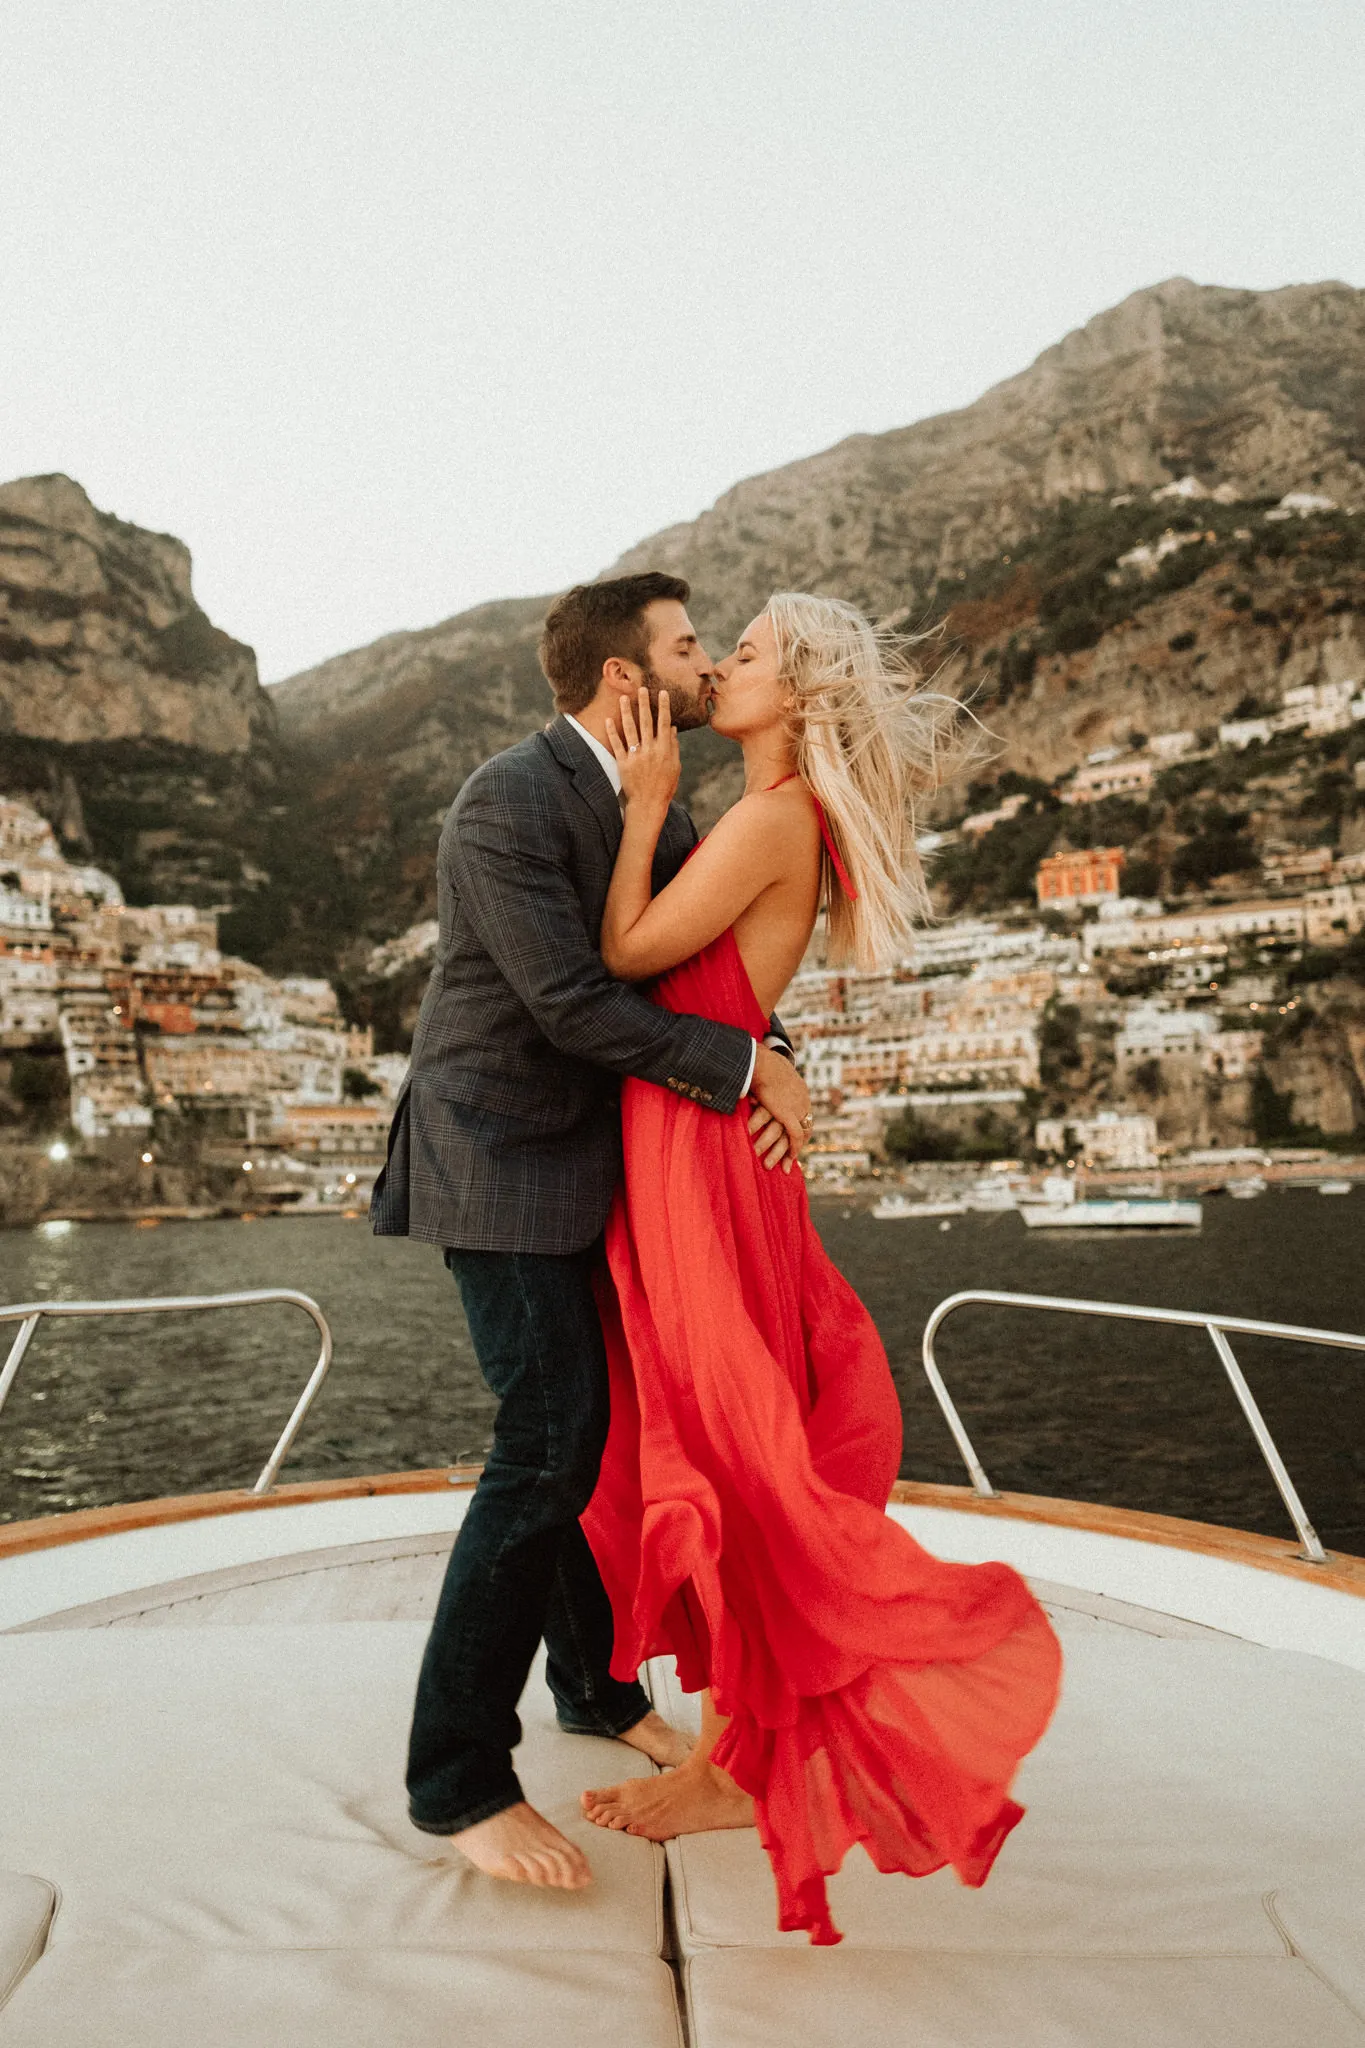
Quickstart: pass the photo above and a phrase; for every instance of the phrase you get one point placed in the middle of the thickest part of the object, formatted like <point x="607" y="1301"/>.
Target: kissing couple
<point x="697" y="1430"/>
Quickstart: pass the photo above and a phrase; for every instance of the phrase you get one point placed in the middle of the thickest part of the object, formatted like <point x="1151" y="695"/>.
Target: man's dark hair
<point x="594" y="621"/>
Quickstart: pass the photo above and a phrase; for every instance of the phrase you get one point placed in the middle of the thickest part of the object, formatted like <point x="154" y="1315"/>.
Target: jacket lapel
<point x="589" y="782"/>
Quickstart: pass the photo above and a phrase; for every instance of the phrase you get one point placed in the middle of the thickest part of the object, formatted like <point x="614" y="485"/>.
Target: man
<point x="505" y="1150"/>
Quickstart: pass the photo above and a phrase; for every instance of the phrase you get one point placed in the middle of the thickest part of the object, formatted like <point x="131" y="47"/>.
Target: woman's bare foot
<point x="690" y="1801"/>
<point x="521" y="1845"/>
<point x="658" y="1741"/>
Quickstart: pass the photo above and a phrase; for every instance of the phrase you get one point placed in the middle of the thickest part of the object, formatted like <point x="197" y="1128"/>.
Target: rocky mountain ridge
<point x="1254" y="393"/>
<point x="139" y="724"/>
<point x="101" y="638"/>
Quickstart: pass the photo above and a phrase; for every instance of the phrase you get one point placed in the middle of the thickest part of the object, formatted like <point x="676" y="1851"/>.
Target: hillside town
<point x="172" y="1054"/>
<point x="1106" y="1030"/>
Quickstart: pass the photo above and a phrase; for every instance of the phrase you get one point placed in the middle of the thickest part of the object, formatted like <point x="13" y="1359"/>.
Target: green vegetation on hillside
<point x="1060" y="589"/>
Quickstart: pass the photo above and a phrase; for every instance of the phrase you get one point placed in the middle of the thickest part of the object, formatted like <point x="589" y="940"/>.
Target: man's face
<point x="677" y="662"/>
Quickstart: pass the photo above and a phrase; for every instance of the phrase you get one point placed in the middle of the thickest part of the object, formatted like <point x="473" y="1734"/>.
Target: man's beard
<point x="686" y="713"/>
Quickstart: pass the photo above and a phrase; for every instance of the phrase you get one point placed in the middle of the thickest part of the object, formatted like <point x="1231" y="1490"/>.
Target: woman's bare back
<point x="774" y="931"/>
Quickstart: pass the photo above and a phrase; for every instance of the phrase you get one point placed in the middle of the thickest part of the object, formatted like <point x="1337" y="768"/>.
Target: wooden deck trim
<point x="1232" y="1546"/>
<point x="1343" y="1574"/>
<point x="46" y="1532"/>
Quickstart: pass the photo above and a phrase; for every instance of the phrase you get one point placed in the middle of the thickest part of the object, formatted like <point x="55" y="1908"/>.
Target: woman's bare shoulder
<point x="785" y="817"/>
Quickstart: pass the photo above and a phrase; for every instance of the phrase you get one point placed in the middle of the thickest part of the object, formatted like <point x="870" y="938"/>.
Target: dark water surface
<point x="1140" y="1417"/>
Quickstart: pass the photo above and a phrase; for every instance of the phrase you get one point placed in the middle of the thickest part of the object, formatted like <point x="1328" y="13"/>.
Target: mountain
<point x="100" y="636"/>
<point x="135" y="723"/>
<point x="995" y="521"/>
<point x="1001" y="524"/>
<point x="1260" y="392"/>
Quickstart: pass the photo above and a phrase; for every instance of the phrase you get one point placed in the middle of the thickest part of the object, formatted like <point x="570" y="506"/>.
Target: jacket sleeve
<point x="508" y="859"/>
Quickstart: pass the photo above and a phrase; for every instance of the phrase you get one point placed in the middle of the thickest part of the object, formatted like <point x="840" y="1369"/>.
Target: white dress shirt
<point x="607" y="762"/>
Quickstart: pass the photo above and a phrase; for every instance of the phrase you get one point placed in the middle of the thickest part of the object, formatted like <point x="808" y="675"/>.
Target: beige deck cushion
<point x="26" y="1908"/>
<point x="96" y="1995"/>
<point x="244" y="1787"/>
<point x="831" y="1998"/>
<point x="1326" y="1924"/>
<point x="1180" y="1783"/>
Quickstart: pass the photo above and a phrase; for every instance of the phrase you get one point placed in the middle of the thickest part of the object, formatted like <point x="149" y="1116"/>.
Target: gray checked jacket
<point x="506" y="1136"/>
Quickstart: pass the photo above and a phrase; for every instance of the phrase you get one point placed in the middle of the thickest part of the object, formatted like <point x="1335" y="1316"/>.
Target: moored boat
<point x="898" y="1208"/>
<point x="1141" y="1212"/>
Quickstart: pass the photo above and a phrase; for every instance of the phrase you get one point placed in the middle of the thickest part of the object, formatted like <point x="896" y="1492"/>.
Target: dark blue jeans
<point x="521" y="1568"/>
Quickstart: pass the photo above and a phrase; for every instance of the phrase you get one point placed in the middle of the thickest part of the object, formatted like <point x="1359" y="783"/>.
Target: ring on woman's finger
<point x="632" y="750"/>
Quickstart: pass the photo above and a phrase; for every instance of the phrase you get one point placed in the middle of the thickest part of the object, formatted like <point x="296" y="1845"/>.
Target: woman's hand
<point x="647" y="756"/>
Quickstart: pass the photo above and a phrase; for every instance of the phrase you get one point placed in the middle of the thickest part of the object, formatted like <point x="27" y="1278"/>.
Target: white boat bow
<point x="203" y="1837"/>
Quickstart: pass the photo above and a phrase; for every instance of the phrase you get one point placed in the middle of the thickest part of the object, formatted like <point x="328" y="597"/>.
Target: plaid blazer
<point x="506" y="1136"/>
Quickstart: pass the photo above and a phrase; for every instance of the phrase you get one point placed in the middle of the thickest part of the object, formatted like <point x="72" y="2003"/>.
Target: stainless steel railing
<point x="29" y="1314"/>
<point x="1217" y="1328"/>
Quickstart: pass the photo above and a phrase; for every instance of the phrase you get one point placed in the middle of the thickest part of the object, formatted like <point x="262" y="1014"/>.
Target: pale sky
<point x="388" y="307"/>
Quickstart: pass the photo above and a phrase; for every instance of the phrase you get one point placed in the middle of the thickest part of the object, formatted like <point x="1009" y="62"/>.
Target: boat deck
<point x="212" y="1802"/>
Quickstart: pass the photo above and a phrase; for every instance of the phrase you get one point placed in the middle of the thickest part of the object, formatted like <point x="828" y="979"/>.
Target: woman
<point x="857" y="1688"/>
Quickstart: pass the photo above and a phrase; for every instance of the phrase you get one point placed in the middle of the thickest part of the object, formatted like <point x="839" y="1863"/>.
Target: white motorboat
<point x="1334" y="1187"/>
<point x="1247" y="1187"/>
<point x="204" y="1844"/>
<point x="1140" y="1212"/>
<point x="897" y="1208"/>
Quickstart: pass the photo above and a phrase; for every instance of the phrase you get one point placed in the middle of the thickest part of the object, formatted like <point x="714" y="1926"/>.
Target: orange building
<point x="1089" y="877"/>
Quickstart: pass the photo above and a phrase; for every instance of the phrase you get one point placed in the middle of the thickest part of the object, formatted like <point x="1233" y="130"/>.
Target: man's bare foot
<point x="521" y="1845"/>
<point x="687" y="1802"/>
<point x="658" y="1741"/>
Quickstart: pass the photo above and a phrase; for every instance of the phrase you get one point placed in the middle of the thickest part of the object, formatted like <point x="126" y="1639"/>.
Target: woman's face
<point x="749" y="695"/>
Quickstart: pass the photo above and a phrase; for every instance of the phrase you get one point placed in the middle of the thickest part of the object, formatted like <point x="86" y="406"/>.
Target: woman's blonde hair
<point x="871" y="740"/>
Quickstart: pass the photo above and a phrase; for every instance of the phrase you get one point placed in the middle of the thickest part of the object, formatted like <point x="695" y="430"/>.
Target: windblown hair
<point x="871" y="742"/>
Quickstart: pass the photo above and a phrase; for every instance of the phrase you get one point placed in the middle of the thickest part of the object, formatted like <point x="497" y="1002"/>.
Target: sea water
<point x="1138" y="1416"/>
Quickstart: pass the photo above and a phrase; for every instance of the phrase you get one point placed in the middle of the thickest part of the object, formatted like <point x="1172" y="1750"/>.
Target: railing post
<point x="975" y="1468"/>
<point x="28" y="1315"/>
<point x="270" y="1470"/>
<point x="1313" y="1552"/>
<point x="16" y="1355"/>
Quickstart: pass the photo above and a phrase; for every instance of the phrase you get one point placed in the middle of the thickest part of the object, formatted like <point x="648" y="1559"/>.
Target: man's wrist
<point x="753" y="1063"/>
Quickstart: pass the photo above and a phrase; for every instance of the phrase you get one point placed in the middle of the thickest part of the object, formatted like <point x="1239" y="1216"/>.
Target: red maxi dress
<point x="875" y="1694"/>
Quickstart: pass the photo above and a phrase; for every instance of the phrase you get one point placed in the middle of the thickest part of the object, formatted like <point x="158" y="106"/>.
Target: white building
<point x="418" y="942"/>
<point x="1131" y="776"/>
<point x="1231" y="1055"/>
<point x="25" y="834"/>
<point x="1215" y="928"/>
<point x="1147" y="558"/>
<point x="23" y="913"/>
<point x="28" y="992"/>
<point x="1333" y="915"/>
<point x="971" y="940"/>
<point x="1152" y="1031"/>
<point x="1171" y="746"/>
<point x="1240" y="732"/>
<point x="981" y="822"/>
<point x="1301" y="505"/>
<point x="1112" y="1139"/>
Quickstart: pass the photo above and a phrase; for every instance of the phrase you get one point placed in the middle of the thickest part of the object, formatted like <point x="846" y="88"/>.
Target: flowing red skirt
<point x="874" y="1693"/>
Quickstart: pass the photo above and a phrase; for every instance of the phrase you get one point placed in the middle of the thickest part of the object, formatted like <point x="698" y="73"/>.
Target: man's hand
<point x="781" y="1125"/>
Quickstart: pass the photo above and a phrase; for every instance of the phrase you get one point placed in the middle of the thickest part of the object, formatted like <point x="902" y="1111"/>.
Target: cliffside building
<point x="1067" y="881"/>
<point x="1132" y="776"/>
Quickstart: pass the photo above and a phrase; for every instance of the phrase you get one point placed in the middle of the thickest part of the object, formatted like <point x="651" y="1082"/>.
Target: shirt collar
<point x="604" y="756"/>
